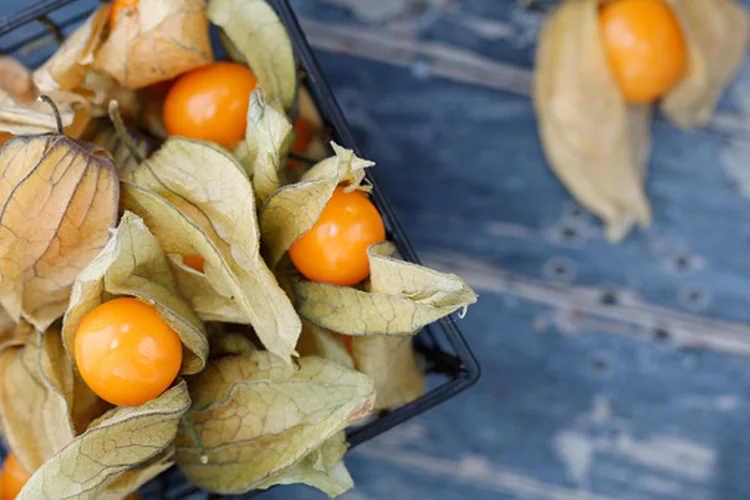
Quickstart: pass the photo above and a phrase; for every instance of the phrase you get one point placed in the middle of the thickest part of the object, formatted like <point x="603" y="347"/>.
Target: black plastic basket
<point x="448" y="359"/>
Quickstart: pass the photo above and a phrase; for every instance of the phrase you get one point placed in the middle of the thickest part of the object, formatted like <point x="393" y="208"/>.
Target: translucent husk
<point x="717" y="36"/>
<point x="594" y="141"/>
<point x="598" y="144"/>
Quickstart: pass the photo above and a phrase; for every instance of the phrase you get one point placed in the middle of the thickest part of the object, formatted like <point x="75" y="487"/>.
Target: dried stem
<point x="196" y="438"/>
<point x="55" y="111"/>
<point x="122" y="132"/>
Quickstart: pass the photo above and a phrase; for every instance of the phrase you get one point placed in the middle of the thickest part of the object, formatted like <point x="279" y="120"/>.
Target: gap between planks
<point x="685" y="329"/>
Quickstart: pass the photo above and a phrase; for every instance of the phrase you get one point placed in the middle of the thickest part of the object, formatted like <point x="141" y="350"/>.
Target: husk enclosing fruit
<point x="717" y="35"/>
<point x="598" y="144"/>
<point x="264" y="422"/>
<point x="59" y="199"/>
<point x="158" y="40"/>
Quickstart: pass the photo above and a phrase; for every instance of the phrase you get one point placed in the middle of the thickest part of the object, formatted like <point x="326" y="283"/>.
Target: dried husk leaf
<point x="217" y="293"/>
<point x="292" y="210"/>
<point x="308" y="110"/>
<point x="267" y="140"/>
<point x="37" y="384"/>
<point x="100" y="89"/>
<point x="28" y="118"/>
<point x="231" y="344"/>
<point x="157" y="41"/>
<point x="212" y="386"/>
<point x="716" y="32"/>
<point x="60" y="200"/>
<point x="67" y="68"/>
<point x="121" y="440"/>
<point x="205" y="205"/>
<point x="256" y="33"/>
<point x="310" y="117"/>
<point x="592" y="139"/>
<point x="404" y="297"/>
<point x="131" y="480"/>
<point x="317" y="341"/>
<point x="15" y="79"/>
<point x="392" y="365"/>
<point x="323" y="469"/>
<point x="258" y="417"/>
<point x="132" y="264"/>
<point x="8" y="328"/>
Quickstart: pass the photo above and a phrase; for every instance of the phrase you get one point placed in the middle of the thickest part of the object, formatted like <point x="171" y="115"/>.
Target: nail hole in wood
<point x="661" y="334"/>
<point x="609" y="298"/>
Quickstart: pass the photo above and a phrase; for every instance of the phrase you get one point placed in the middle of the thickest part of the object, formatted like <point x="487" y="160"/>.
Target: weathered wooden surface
<point x="610" y="373"/>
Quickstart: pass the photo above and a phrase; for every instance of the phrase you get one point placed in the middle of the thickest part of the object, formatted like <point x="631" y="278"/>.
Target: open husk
<point x="264" y="422"/>
<point x="717" y="35"/>
<point x="157" y="41"/>
<point x="597" y="143"/>
<point x="59" y="199"/>
<point x="594" y="141"/>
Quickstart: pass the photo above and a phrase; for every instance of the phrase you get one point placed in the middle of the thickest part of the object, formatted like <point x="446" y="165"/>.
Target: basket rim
<point x="470" y="371"/>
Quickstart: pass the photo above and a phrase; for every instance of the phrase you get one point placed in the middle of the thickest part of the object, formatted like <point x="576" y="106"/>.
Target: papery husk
<point x="99" y="89"/>
<point x="293" y="209"/>
<point x="132" y="264"/>
<point x="35" y="117"/>
<point x="260" y="420"/>
<point x="116" y="454"/>
<point x="67" y="68"/>
<point x="197" y="199"/>
<point x="392" y="365"/>
<point x="596" y="143"/>
<point x="253" y="34"/>
<point x="308" y="112"/>
<point x="267" y="140"/>
<point x="157" y="41"/>
<point x="37" y="394"/>
<point x="322" y="468"/>
<point x="60" y="200"/>
<point x="402" y="298"/>
<point x="127" y="484"/>
<point x="317" y="341"/>
<point x="15" y="79"/>
<point x="231" y="344"/>
<point x="716" y="32"/>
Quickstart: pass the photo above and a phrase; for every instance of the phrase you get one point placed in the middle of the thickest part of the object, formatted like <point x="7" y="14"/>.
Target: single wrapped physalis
<point x="60" y="199"/>
<point x="600" y="67"/>
<point x="155" y="41"/>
